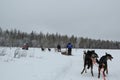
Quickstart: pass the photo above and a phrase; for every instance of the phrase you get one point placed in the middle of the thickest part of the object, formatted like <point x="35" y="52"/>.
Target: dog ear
<point x="105" y="53"/>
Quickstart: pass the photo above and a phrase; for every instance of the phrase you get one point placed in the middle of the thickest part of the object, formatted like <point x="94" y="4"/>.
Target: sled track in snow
<point x="70" y="72"/>
<point x="65" y="71"/>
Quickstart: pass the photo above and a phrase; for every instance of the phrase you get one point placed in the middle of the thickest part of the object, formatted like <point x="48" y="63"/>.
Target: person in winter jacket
<point x="69" y="47"/>
<point x="59" y="48"/>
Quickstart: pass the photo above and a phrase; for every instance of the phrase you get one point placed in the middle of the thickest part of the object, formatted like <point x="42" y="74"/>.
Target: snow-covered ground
<point x="34" y="64"/>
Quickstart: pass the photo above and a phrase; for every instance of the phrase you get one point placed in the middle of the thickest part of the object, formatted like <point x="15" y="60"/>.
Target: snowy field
<point x="34" y="64"/>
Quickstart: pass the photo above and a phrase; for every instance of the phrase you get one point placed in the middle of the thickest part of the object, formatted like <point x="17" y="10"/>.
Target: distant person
<point x="59" y="48"/>
<point x="69" y="47"/>
<point x="25" y="46"/>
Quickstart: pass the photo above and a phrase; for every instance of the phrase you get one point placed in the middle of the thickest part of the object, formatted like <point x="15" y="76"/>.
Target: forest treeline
<point x="16" y="38"/>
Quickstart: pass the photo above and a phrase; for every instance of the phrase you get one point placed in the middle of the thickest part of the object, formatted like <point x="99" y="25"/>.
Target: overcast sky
<point x="96" y="19"/>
